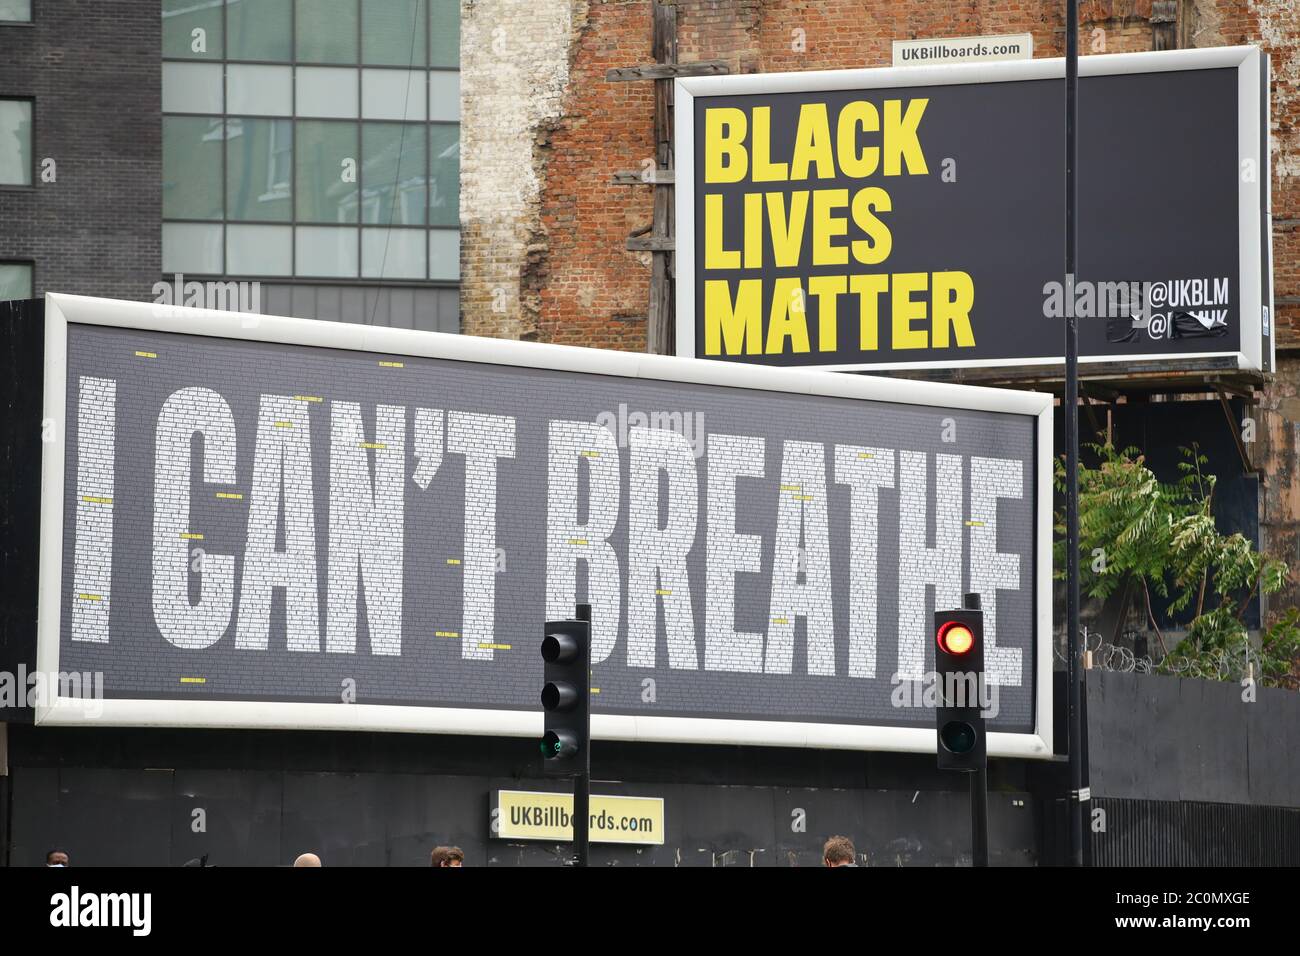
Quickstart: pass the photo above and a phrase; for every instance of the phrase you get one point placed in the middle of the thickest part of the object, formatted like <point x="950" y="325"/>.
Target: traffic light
<point x="566" y="697"/>
<point x="959" y="669"/>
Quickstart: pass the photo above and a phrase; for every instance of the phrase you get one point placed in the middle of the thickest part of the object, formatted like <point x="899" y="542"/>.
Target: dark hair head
<point x="446" y="855"/>
<point x="839" y="849"/>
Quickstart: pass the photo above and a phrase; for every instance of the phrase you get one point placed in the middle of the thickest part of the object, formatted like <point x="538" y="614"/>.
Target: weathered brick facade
<point x="555" y="265"/>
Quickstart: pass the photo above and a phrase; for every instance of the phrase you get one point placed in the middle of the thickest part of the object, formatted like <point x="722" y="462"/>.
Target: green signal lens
<point x="957" y="737"/>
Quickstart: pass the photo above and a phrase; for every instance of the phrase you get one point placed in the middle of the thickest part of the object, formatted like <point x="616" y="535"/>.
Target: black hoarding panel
<point x="231" y="817"/>
<point x="1213" y="738"/>
<point x="1136" y="735"/>
<point x="1273" y="724"/>
<point x="22" y="361"/>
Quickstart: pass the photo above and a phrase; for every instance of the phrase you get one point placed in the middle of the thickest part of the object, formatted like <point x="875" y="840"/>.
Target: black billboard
<point x="254" y="521"/>
<point x="914" y="217"/>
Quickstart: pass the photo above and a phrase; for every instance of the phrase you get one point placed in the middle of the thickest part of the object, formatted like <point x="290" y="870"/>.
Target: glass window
<point x="444" y="96"/>
<point x="327" y="91"/>
<point x="259" y="90"/>
<point x="190" y="29"/>
<point x="393" y="175"/>
<point x="444" y="254"/>
<point x="191" y="167"/>
<point x="444" y="33"/>
<point x="312" y="138"/>
<point x="326" y="252"/>
<point x="326" y="31"/>
<point x="444" y="179"/>
<point x="394" y="32"/>
<point x="15" y="142"/>
<point x="392" y="253"/>
<point x="15" y="280"/>
<point x="16" y="11"/>
<point x="327" y="171"/>
<point x="259" y="168"/>
<point x="259" y="250"/>
<point x="393" y="94"/>
<point x="191" y="247"/>
<point x="191" y="87"/>
<point x="260" y="30"/>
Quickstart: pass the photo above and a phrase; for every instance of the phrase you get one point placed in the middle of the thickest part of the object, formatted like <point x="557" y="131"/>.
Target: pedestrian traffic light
<point x="566" y="697"/>
<point x="959" y="671"/>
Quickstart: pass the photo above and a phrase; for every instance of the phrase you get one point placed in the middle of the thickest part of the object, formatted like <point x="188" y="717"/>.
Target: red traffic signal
<point x="956" y="638"/>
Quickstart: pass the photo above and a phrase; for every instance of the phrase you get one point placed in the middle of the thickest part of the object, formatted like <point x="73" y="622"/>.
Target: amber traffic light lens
<point x="956" y="638"/>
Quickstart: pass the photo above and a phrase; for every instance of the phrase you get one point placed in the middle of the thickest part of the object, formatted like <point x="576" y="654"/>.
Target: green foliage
<point x="1138" y="536"/>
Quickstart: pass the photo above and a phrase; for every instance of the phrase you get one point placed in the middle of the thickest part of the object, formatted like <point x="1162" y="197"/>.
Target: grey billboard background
<point x="1158" y="200"/>
<point x="138" y="663"/>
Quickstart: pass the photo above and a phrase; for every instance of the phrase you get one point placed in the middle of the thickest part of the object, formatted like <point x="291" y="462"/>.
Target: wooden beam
<point x="651" y="243"/>
<point x="651" y="177"/>
<point x="667" y="71"/>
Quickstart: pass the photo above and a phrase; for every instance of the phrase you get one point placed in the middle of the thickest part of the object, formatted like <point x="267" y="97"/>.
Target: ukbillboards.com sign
<point x="914" y="217"/>
<point x="253" y="521"/>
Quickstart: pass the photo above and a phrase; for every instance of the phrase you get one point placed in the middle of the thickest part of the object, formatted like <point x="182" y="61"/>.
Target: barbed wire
<point x="1219" y="664"/>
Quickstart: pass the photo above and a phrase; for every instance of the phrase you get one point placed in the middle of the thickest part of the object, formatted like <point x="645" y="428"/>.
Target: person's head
<point x="839" y="851"/>
<point x="447" y="856"/>
<point x="307" y="859"/>
<point x="56" y="858"/>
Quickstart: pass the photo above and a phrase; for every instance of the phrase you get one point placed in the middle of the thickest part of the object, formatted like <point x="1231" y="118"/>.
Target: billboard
<point x="254" y="521"/>
<point x="914" y="217"/>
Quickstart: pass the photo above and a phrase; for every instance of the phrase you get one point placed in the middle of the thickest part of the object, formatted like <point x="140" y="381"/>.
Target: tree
<point x="1139" y="536"/>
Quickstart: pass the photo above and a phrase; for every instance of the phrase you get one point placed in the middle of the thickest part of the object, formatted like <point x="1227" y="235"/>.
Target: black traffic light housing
<point x="566" y="698"/>
<point x="959" y="670"/>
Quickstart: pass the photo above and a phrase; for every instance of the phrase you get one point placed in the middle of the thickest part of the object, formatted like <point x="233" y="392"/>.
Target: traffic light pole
<point x="979" y="817"/>
<point x="582" y="782"/>
<point x="979" y="782"/>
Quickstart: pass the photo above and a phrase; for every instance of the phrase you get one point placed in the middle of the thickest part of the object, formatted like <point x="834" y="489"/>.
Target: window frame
<point x="31" y="264"/>
<point x="425" y="126"/>
<point x="34" y="165"/>
<point x="29" y="22"/>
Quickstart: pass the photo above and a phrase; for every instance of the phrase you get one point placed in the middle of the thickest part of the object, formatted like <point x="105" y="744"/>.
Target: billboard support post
<point x="1072" y="431"/>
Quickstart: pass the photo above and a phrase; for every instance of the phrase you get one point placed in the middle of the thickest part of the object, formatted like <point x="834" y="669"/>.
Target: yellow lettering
<point x="725" y="160"/>
<point x="906" y="311"/>
<point x="876" y="247"/>
<point x="858" y="165"/>
<point x="826" y="227"/>
<point x="869" y="289"/>
<point x="787" y="231"/>
<point x="716" y="256"/>
<point x="739" y="327"/>
<point x="753" y="230"/>
<point x="812" y="144"/>
<point x="951" y="296"/>
<point x="901" y="141"/>
<point x="764" y="170"/>
<point x="786" y="322"/>
<point x="827" y="289"/>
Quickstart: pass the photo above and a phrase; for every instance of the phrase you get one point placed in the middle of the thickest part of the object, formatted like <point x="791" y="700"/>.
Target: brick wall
<point x="563" y="254"/>
<point x="95" y="73"/>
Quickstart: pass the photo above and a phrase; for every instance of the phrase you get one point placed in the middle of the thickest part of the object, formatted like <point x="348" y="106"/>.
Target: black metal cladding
<point x="1168" y="833"/>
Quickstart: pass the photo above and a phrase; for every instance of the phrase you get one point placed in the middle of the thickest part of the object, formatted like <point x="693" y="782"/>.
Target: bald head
<point x="307" y="859"/>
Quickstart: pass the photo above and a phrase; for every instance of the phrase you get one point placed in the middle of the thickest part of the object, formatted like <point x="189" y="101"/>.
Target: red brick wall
<point x="587" y="285"/>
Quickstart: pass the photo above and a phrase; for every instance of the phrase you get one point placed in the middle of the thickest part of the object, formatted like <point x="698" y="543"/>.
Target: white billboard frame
<point x="1252" y="146"/>
<point x="62" y="310"/>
